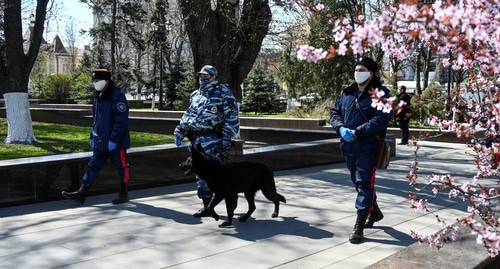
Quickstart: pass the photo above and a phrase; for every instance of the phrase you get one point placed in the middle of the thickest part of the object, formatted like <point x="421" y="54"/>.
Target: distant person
<point x="403" y="115"/>
<point x="491" y="134"/>
<point x="109" y="137"/>
<point x="359" y="124"/>
<point x="211" y="120"/>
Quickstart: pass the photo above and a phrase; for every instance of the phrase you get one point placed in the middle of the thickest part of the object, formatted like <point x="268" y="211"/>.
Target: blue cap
<point x="208" y="69"/>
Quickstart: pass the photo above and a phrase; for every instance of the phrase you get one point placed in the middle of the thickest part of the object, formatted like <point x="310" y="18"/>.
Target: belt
<point x="201" y="132"/>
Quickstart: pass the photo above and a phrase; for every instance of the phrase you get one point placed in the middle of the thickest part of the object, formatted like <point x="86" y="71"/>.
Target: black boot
<point x="122" y="195"/>
<point x="203" y="212"/>
<point x="357" y="233"/>
<point x="77" y="196"/>
<point x="375" y="216"/>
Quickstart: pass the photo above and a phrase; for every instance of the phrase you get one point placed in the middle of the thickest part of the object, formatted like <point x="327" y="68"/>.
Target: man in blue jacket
<point x="109" y="137"/>
<point x="360" y="125"/>
<point x="211" y="120"/>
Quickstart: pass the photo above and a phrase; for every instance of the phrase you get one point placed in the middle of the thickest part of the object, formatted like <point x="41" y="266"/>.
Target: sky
<point x="82" y="15"/>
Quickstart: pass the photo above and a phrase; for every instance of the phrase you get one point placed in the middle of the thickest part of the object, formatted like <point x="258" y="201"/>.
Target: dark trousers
<point x="362" y="170"/>
<point x="117" y="157"/>
<point x="405" y="130"/>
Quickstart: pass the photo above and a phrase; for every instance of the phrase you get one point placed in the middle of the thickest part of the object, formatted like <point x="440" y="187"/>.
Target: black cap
<point x="368" y="63"/>
<point x="102" y="74"/>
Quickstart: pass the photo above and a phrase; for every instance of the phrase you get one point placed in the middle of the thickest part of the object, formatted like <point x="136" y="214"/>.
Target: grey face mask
<point x="204" y="82"/>
<point x="99" y="85"/>
<point x="361" y="77"/>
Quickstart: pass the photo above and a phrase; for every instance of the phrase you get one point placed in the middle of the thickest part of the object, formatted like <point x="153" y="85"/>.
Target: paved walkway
<point x="156" y="229"/>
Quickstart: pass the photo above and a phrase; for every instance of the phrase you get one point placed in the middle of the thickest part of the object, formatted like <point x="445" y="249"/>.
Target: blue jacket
<point x="110" y="115"/>
<point x="212" y="109"/>
<point x="344" y="113"/>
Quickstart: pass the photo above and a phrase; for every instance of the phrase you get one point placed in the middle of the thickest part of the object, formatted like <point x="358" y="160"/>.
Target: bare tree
<point x="15" y="70"/>
<point x="39" y="72"/>
<point x="2" y="42"/>
<point x="423" y="65"/>
<point x="426" y="68"/>
<point x="395" y="66"/>
<point x="227" y="34"/>
<point x="70" y="40"/>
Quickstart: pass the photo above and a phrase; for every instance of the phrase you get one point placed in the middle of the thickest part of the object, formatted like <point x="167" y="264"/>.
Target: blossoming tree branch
<point x="469" y="31"/>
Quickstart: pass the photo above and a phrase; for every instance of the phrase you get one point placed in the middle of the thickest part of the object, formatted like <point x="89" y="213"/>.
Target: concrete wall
<point x="73" y="114"/>
<point x="164" y="122"/>
<point x="43" y="178"/>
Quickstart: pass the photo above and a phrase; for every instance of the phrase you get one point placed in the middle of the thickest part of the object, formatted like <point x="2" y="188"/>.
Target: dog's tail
<point x="281" y="198"/>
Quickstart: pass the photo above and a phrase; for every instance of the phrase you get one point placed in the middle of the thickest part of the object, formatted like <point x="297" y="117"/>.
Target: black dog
<point x="227" y="179"/>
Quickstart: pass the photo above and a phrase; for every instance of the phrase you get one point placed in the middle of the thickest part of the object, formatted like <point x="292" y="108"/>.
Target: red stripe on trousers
<point x="372" y="184"/>
<point x="123" y="159"/>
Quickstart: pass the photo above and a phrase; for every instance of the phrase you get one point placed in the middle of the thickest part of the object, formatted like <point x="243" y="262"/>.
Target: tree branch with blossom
<point x="470" y="30"/>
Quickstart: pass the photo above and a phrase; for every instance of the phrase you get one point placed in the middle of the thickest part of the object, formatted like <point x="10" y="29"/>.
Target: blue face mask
<point x="204" y="82"/>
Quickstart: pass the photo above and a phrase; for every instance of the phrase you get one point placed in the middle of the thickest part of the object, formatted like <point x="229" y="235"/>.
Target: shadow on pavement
<point x="399" y="238"/>
<point x="254" y="230"/>
<point x="161" y="212"/>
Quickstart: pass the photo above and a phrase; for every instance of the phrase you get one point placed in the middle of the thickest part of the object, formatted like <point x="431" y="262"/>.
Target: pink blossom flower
<point x="470" y="29"/>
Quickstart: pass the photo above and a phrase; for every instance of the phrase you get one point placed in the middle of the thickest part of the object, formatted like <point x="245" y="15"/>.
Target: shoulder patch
<point x="121" y="106"/>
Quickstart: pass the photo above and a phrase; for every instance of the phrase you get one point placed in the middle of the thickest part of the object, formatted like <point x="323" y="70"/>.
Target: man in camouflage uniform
<point x="211" y="120"/>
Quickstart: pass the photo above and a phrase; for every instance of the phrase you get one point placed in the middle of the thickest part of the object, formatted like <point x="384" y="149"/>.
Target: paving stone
<point x="156" y="228"/>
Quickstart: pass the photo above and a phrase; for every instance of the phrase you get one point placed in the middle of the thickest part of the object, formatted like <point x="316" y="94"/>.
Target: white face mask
<point x="99" y="85"/>
<point x="361" y="77"/>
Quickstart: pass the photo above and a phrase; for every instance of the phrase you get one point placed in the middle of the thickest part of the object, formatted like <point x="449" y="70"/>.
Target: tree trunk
<point x="19" y="126"/>
<point x="15" y="76"/>
<point x="113" y="37"/>
<point x="418" y="69"/>
<point x="427" y="55"/>
<point x="395" y="66"/>
<point x="226" y="36"/>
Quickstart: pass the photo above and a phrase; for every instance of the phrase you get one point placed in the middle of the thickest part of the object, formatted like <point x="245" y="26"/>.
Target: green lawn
<point x="58" y="138"/>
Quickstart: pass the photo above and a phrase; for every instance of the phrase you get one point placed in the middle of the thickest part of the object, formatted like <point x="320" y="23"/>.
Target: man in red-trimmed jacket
<point x="109" y="137"/>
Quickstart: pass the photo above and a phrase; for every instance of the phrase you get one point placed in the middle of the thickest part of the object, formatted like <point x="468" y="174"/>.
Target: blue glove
<point x="226" y="143"/>
<point x="111" y="145"/>
<point x="91" y="143"/>
<point x="178" y="142"/>
<point x="347" y="134"/>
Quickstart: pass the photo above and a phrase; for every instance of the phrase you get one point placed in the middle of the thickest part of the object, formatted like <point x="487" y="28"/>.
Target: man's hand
<point x="111" y="145"/>
<point x="226" y="143"/>
<point x="178" y="142"/>
<point x="347" y="134"/>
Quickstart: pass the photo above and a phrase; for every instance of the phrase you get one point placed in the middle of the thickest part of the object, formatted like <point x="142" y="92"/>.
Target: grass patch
<point x="59" y="139"/>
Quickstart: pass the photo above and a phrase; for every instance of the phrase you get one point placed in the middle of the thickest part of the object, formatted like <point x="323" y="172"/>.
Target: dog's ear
<point x="186" y="166"/>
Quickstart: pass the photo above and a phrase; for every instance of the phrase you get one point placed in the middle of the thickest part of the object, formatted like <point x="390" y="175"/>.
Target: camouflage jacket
<point x="212" y="109"/>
